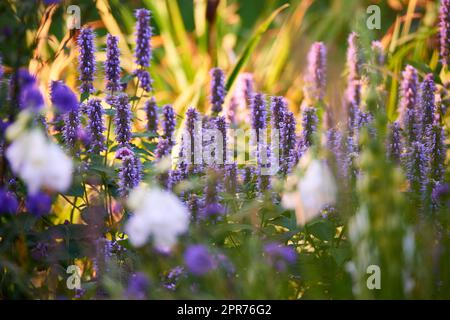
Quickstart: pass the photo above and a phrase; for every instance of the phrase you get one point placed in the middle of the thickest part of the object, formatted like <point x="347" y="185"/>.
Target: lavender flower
<point x="143" y="35"/>
<point x="138" y="287"/>
<point x="288" y="142"/>
<point x="129" y="175"/>
<point x="258" y="109"/>
<point x="221" y="125"/>
<point x="444" y="31"/>
<point x="95" y="126"/>
<point x="143" y="51"/>
<point x="408" y="104"/>
<point x="395" y="143"/>
<point x="441" y="192"/>
<point x="123" y="119"/>
<point x="71" y="128"/>
<point x="278" y="107"/>
<point x="315" y="78"/>
<point x="334" y="144"/>
<point x="86" y="60"/>
<point x="309" y="127"/>
<point x="151" y="110"/>
<point x="31" y="97"/>
<point x="8" y="202"/>
<point x="217" y="90"/>
<point x="112" y="64"/>
<point x="427" y="106"/>
<point x="39" y="204"/>
<point x="280" y="256"/>
<point x="353" y="91"/>
<point x="62" y="97"/>
<point x="168" y="122"/>
<point x="416" y="167"/>
<point x="437" y="151"/>
<point x="198" y="260"/>
<point x="145" y="80"/>
<point x="212" y="211"/>
<point x="163" y="148"/>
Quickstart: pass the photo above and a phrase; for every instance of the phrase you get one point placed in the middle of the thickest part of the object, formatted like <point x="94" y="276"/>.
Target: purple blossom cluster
<point x="112" y="64"/>
<point x="151" y="111"/>
<point x="444" y="32"/>
<point x="95" y="125"/>
<point x="217" y="90"/>
<point x="86" y="60"/>
<point x="315" y="78"/>
<point x="130" y="171"/>
<point x="123" y="119"/>
<point x="143" y="52"/>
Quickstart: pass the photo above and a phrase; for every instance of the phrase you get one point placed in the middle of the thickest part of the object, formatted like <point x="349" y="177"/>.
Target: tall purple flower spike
<point x="221" y="125"/>
<point x="129" y="174"/>
<point x="437" y="150"/>
<point x="95" y="126"/>
<point x="258" y="109"/>
<point x="71" y="128"/>
<point x="217" y="90"/>
<point x="395" y="146"/>
<point x="444" y="31"/>
<point x="123" y="119"/>
<point x="315" y="78"/>
<point x="143" y="53"/>
<point x="289" y="142"/>
<point x="86" y="60"/>
<point x="168" y="122"/>
<point x="309" y="127"/>
<point x="416" y="160"/>
<point x="408" y="104"/>
<point x="112" y="64"/>
<point x="353" y="91"/>
<point x="151" y="110"/>
<point x="427" y="106"/>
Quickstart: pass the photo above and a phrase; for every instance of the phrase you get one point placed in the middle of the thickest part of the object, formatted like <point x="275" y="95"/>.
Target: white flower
<point x="157" y="213"/>
<point x="315" y="190"/>
<point x="39" y="162"/>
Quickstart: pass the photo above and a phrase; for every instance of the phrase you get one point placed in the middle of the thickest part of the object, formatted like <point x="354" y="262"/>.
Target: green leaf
<point x="254" y="40"/>
<point x="321" y="229"/>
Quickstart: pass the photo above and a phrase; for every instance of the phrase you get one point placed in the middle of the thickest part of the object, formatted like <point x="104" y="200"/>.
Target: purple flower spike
<point x="427" y="106"/>
<point x="395" y="143"/>
<point x="437" y="151"/>
<point x="354" y="57"/>
<point x="198" y="260"/>
<point x="309" y="127"/>
<point x="62" y="97"/>
<point x="71" y="128"/>
<point x="163" y="148"/>
<point x="95" y="126"/>
<point x="143" y="53"/>
<point x="129" y="175"/>
<point x="280" y="256"/>
<point x="221" y="125"/>
<point x="143" y="35"/>
<point x="315" y="78"/>
<point x="408" y="103"/>
<point x="278" y="107"/>
<point x="444" y="31"/>
<point x="138" y="287"/>
<point x="112" y="64"/>
<point x="86" y="60"/>
<point x="168" y="122"/>
<point x="151" y="110"/>
<point x="217" y="90"/>
<point x="416" y="167"/>
<point x="39" y="204"/>
<point x="123" y="119"/>
<point x="8" y="202"/>
<point x="288" y="142"/>
<point x="258" y="109"/>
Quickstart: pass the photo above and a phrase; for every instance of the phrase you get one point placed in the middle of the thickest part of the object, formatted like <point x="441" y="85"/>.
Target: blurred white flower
<point x="157" y="213"/>
<point x="315" y="190"/>
<point x="39" y="162"/>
